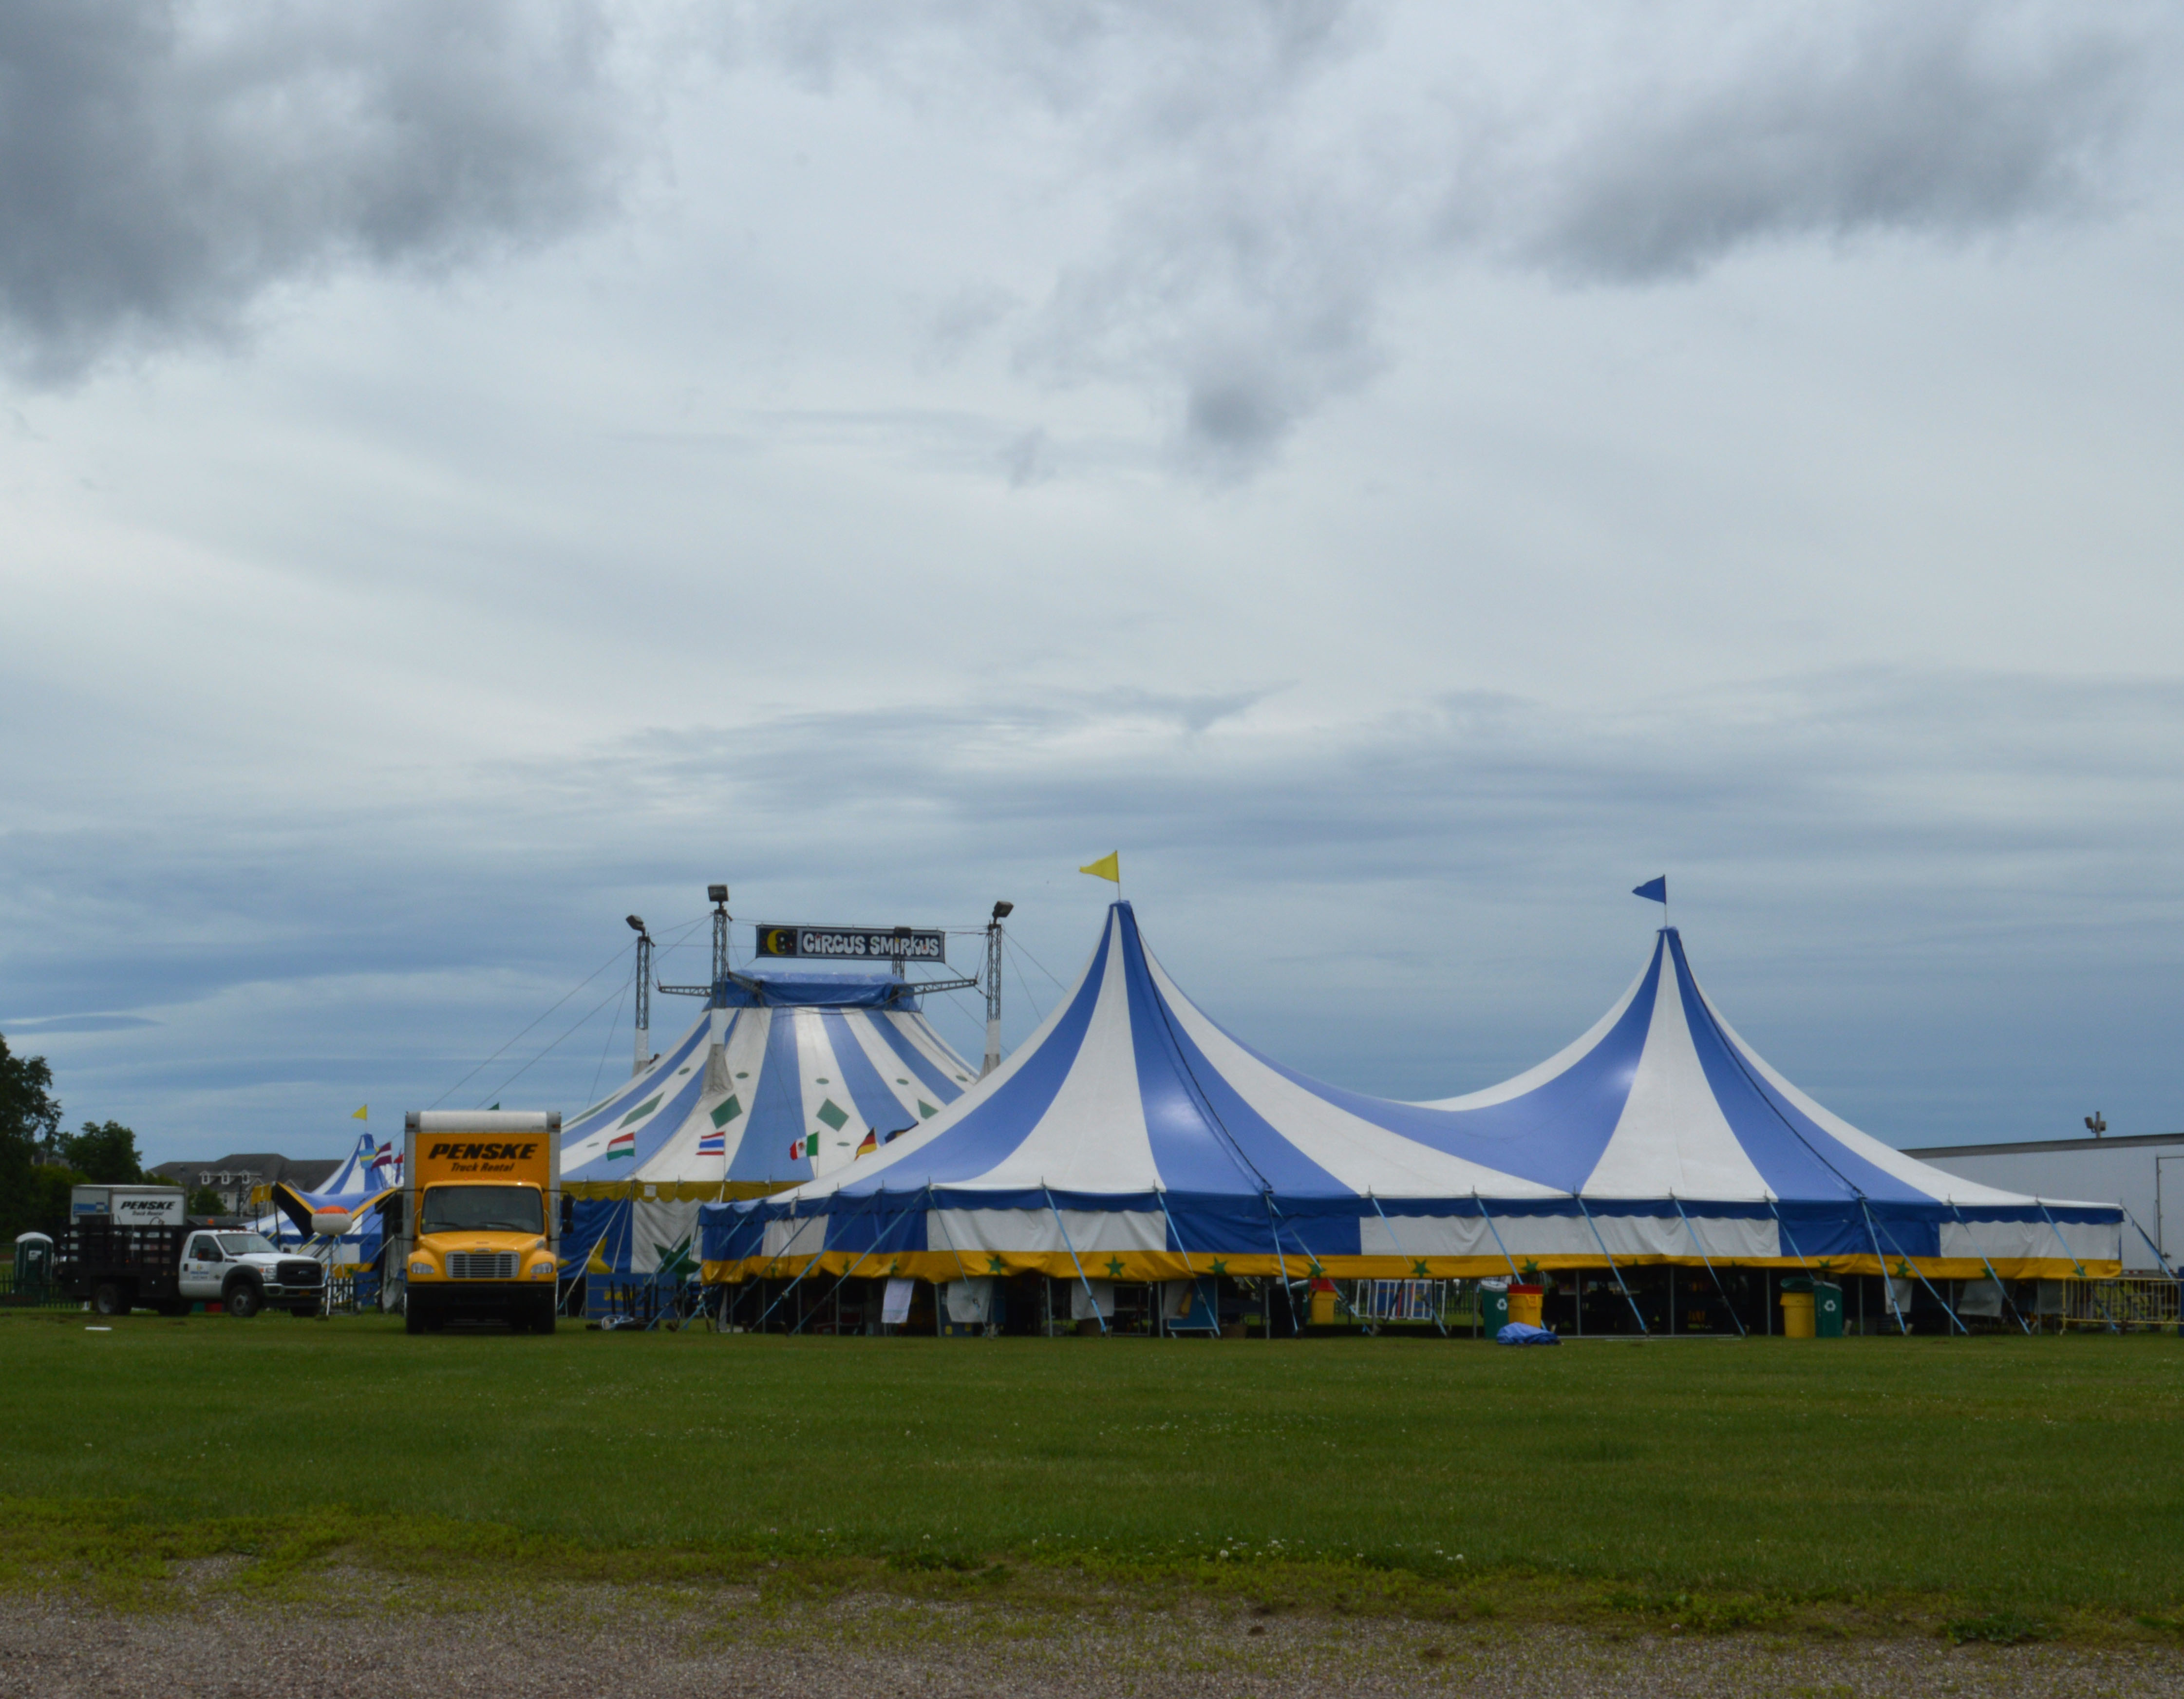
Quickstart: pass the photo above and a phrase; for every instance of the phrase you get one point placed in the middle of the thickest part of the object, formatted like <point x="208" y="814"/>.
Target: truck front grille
<point x="481" y="1265"/>
<point x="300" y="1274"/>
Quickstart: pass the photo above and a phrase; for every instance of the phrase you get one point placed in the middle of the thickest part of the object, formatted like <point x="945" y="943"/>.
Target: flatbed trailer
<point x="168" y="1266"/>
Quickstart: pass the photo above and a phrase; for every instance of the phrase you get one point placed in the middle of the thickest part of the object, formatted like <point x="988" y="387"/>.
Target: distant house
<point x="236" y="1178"/>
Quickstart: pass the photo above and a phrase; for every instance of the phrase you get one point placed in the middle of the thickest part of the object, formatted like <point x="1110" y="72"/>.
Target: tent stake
<point x="1708" y="1260"/>
<point x="1618" y="1273"/>
<point x="1991" y="1274"/>
<point x="1090" y="1297"/>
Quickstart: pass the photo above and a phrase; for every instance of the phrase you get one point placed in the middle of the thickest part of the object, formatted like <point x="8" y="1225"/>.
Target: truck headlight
<point x="421" y="1267"/>
<point x="542" y="1271"/>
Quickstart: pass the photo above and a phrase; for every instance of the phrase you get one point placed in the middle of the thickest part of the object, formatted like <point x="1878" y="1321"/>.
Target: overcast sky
<point x="1402" y="474"/>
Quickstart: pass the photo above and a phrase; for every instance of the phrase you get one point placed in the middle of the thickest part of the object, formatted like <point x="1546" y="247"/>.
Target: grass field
<point x="2018" y="1480"/>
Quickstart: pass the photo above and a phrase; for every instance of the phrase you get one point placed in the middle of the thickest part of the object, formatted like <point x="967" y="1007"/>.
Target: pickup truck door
<point x="202" y="1265"/>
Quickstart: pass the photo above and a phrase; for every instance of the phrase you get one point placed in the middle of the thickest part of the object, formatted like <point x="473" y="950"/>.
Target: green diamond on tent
<point x="641" y="1110"/>
<point x="832" y="1114"/>
<point x="926" y="1109"/>
<point x="726" y="1112"/>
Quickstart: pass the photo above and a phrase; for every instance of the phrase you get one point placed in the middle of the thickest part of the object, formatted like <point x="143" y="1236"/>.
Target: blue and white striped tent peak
<point x="780" y="1081"/>
<point x="788" y="1075"/>
<point x="1133" y="1138"/>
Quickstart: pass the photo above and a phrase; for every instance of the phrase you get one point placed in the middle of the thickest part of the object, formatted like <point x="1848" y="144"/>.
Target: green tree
<point x="30" y="1118"/>
<point x="204" y="1201"/>
<point x="104" y="1153"/>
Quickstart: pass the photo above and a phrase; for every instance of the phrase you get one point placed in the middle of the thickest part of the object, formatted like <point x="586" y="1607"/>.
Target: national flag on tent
<point x="622" y="1145"/>
<point x="872" y="1142"/>
<point x="799" y="1149"/>
<point x="384" y="1157"/>
<point x="713" y="1144"/>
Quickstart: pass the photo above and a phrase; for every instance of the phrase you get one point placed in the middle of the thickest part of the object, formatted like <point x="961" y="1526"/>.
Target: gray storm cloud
<point x="1942" y="119"/>
<point x="1261" y="175"/>
<point x="162" y="166"/>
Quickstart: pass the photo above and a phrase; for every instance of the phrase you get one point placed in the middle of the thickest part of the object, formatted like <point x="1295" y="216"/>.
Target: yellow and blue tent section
<point x="1131" y="1137"/>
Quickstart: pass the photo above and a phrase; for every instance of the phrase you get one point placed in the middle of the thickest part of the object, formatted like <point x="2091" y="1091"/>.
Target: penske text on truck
<point x="481" y="1217"/>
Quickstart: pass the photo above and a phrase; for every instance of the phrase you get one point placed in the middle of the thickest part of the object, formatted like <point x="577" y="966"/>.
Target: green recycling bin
<point x="1493" y="1310"/>
<point x="1827" y="1310"/>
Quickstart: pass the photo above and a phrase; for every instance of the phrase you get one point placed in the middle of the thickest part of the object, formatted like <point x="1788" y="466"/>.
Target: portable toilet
<point x="34" y="1262"/>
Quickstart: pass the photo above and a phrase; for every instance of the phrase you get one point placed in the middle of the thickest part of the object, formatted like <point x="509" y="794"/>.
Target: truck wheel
<point x="242" y="1299"/>
<point x="107" y="1298"/>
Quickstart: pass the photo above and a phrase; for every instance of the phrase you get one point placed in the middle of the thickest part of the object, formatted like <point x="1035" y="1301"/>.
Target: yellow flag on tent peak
<point x="359" y="1115"/>
<point x="1108" y="866"/>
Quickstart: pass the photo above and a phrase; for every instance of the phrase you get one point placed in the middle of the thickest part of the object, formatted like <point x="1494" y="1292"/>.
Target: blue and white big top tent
<point x="787" y="1075"/>
<point x="1131" y="1137"/>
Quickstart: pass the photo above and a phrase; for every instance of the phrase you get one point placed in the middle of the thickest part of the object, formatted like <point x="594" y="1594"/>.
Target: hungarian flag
<point x="622" y="1145"/>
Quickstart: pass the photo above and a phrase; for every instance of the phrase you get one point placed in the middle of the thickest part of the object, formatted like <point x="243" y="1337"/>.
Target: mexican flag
<point x="622" y="1145"/>
<point x="801" y="1148"/>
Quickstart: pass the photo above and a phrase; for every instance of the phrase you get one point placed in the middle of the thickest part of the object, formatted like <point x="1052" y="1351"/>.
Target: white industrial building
<point x="2144" y="1173"/>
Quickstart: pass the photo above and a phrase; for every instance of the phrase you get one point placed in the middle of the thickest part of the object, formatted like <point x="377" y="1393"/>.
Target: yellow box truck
<point x="481" y="1218"/>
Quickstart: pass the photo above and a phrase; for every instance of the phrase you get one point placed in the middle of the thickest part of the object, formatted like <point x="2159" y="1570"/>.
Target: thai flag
<point x="622" y="1145"/>
<point x="713" y="1144"/>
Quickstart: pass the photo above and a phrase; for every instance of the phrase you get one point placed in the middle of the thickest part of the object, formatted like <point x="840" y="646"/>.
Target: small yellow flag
<point x="359" y="1114"/>
<point x="1108" y="866"/>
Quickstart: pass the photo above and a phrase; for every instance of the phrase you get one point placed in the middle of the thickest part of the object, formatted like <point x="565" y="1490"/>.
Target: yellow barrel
<point x="1797" y="1315"/>
<point x="1323" y="1308"/>
<point x="1525" y="1305"/>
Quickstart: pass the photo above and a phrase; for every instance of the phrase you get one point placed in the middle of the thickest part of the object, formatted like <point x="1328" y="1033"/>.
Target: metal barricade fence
<point x="2126" y="1304"/>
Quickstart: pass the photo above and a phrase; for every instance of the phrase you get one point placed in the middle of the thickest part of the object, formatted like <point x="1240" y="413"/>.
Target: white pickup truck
<point x="120" y="1261"/>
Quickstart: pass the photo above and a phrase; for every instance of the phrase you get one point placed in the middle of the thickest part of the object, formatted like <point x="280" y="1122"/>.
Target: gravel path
<point x="688" y="1644"/>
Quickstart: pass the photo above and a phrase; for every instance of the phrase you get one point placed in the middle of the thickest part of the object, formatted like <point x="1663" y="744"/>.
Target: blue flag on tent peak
<point x="1655" y="890"/>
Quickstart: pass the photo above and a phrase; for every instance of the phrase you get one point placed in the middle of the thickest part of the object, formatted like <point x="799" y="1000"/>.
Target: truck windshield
<point x="245" y="1244"/>
<point x="480" y="1209"/>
